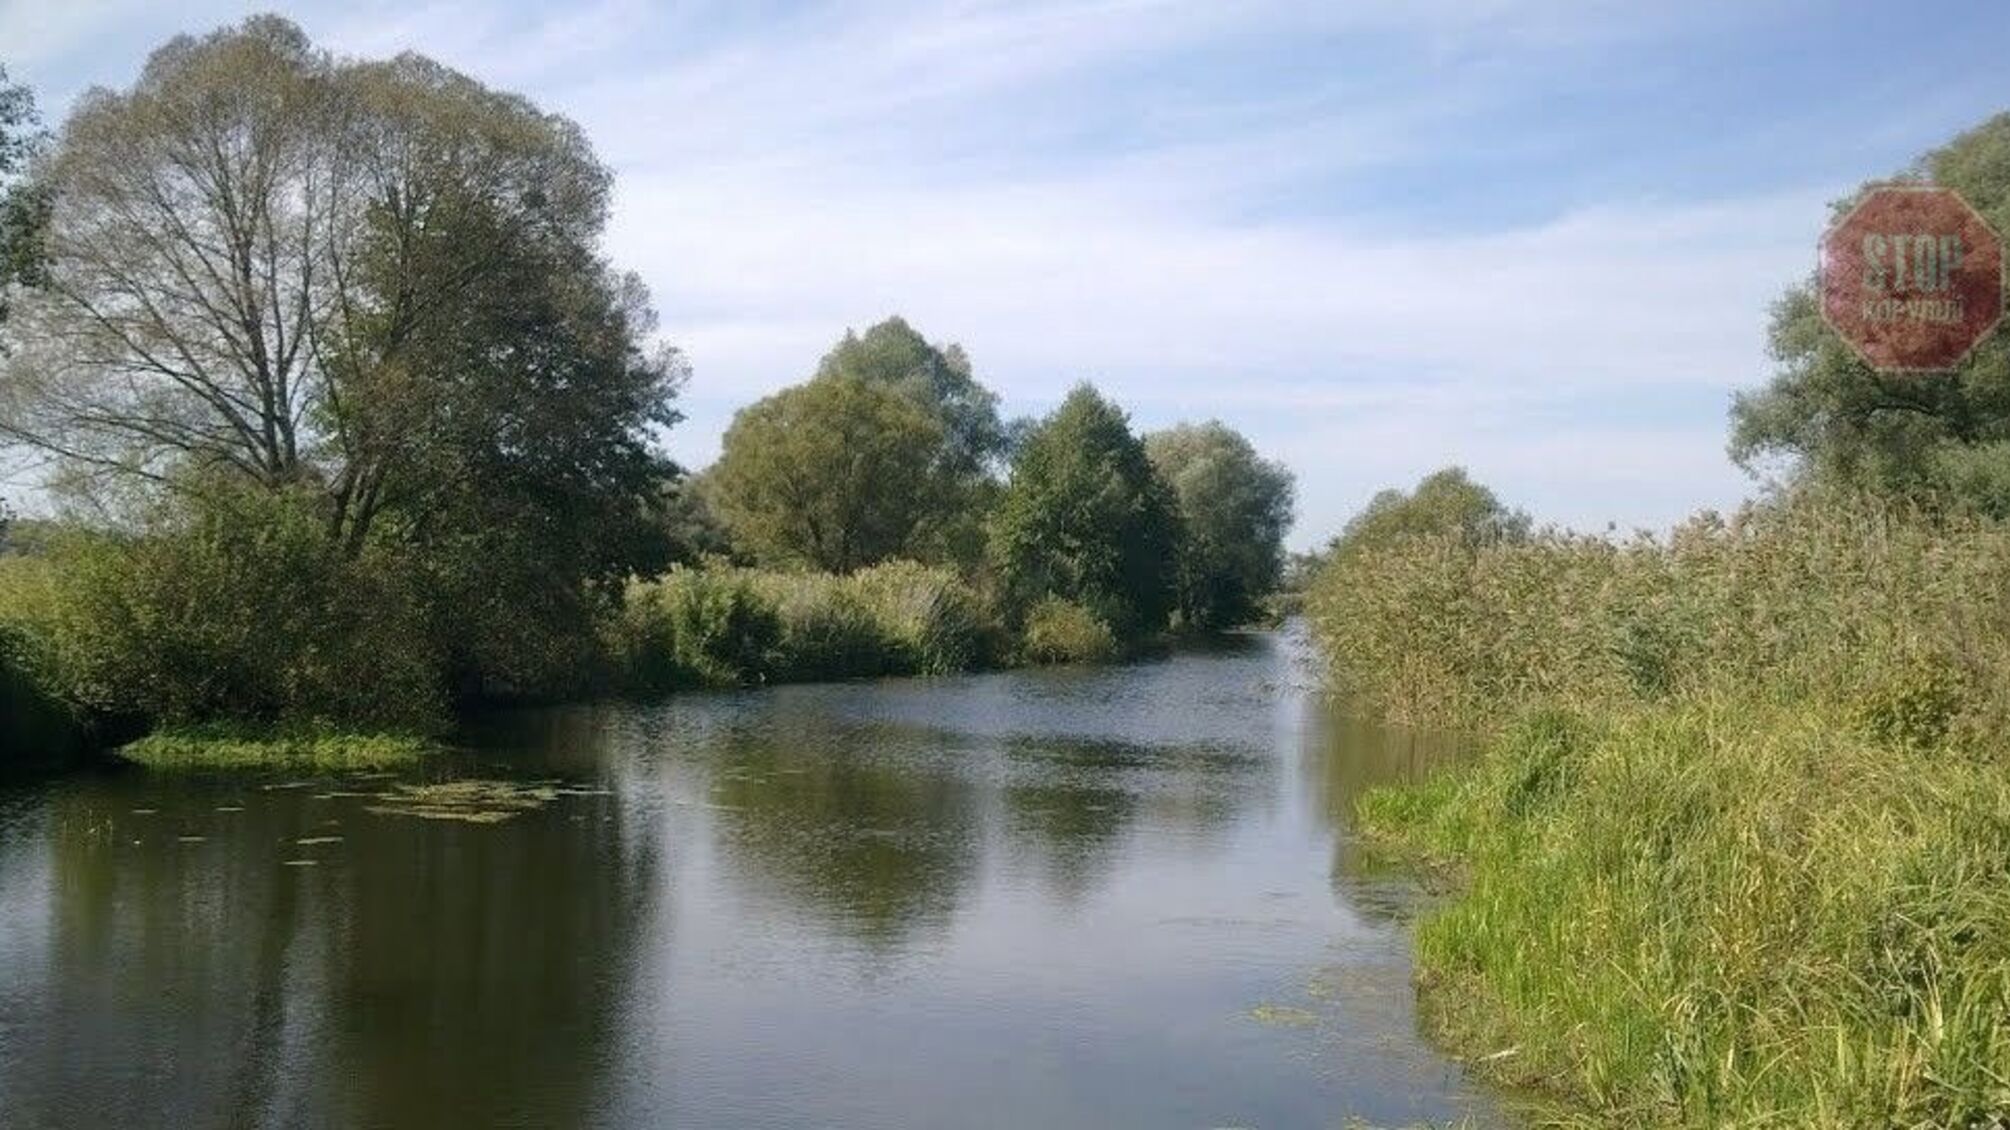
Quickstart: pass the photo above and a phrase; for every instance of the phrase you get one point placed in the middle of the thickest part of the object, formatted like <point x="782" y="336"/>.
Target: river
<point x="1106" y="897"/>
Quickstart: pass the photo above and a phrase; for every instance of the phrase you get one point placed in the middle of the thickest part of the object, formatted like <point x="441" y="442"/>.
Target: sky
<point x="1537" y="238"/>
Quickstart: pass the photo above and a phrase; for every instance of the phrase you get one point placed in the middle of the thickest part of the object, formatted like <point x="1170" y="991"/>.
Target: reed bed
<point x="1738" y="850"/>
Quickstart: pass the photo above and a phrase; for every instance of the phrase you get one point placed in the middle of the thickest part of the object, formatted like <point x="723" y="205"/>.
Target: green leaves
<point x="1826" y="415"/>
<point x="838" y="474"/>
<point x="1086" y="519"/>
<point x="1234" y="509"/>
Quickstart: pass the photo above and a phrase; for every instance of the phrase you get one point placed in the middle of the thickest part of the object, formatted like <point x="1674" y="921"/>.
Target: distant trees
<point x="1235" y="508"/>
<point x="372" y="427"/>
<point x="1446" y="503"/>
<point x="838" y="473"/>
<point x="1830" y="417"/>
<point x="1086" y="518"/>
<point x="937" y="379"/>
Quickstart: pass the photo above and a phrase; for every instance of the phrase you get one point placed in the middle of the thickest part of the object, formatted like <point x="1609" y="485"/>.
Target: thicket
<point x="1738" y="852"/>
<point x="720" y="625"/>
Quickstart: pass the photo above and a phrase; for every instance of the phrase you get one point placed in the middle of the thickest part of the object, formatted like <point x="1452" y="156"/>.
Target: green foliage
<point x="1061" y="631"/>
<point x="236" y="746"/>
<point x="835" y="474"/>
<point x="241" y="609"/>
<point x="1828" y="416"/>
<point x="1445" y="504"/>
<point x="1234" y="510"/>
<point x="696" y="627"/>
<point x="1720" y="913"/>
<point x="1086" y="518"/>
<point x="38" y="729"/>
<point x="1736" y="852"/>
<point x="937" y="380"/>
<point x="932" y="619"/>
<point x="1818" y="597"/>
<point x="721" y="626"/>
<point x="438" y="362"/>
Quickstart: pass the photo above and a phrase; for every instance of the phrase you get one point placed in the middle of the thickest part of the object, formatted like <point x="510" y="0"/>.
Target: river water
<point x="1063" y="898"/>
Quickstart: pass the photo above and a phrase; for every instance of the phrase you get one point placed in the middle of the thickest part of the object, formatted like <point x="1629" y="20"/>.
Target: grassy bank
<point x="244" y="747"/>
<point x="1738" y="852"/>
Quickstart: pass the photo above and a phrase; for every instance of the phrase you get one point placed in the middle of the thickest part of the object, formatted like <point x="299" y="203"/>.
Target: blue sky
<point x="1535" y="237"/>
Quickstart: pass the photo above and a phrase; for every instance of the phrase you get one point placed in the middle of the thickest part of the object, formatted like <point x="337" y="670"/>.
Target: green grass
<point x="1710" y="915"/>
<point x="723" y="626"/>
<point x="242" y="747"/>
<point x="1737" y="850"/>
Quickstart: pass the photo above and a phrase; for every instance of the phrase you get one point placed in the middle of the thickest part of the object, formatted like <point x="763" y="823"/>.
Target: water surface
<point x="1066" y="898"/>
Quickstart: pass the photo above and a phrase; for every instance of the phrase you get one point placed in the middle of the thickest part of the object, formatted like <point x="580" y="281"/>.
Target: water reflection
<point x="852" y="823"/>
<point x="1056" y="898"/>
<point x="231" y="953"/>
<point x="1348" y="753"/>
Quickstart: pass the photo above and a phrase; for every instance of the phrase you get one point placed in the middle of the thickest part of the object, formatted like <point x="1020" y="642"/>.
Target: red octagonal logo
<point x="1912" y="278"/>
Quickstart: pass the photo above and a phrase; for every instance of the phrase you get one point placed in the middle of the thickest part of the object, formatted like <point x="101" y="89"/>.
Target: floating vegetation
<point x="1283" y="1015"/>
<point x="471" y="801"/>
<point x="216" y="747"/>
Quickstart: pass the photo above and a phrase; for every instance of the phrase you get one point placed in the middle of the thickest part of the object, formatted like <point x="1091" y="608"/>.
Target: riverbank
<point x="1738" y="849"/>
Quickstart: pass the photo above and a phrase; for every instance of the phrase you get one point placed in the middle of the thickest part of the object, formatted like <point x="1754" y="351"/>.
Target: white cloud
<point x="781" y="180"/>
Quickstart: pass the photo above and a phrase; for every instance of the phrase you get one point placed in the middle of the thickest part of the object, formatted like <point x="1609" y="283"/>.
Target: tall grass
<point x="38" y="728"/>
<point x="1847" y="603"/>
<point x="1738" y="852"/>
<point x="723" y="626"/>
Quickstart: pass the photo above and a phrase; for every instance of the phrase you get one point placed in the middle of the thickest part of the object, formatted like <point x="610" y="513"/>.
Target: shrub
<point x="1739" y="848"/>
<point x="243" y="610"/>
<point x="1060" y="631"/>
<point x="37" y="728"/>
<point x="930" y="616"/>
<point x="722" y="626"/>
<point x="828" y="631"/>
<point x="696" y="627"/>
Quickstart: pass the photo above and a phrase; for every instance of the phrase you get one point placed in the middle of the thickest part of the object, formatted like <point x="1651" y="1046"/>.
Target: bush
<point x="1060" y="631"/>
<point x="936" y="624"/>
<point x="241" y="610"/>
<point x="38" y="730"/>
<point x="827" y="630"/>
<point x="722" y="626"/>
<point x="695" y="627"/>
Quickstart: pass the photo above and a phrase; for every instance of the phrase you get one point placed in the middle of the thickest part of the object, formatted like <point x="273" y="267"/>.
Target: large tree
<point x="837" y="473"/>
<point x="1087" y="519"/>
<point x="378" y="282"/>
<point x="937" y="378"/>
<point x="1445" y="503"/>
<point x="1826" y="415"/>
<point x="1235" y="508"/>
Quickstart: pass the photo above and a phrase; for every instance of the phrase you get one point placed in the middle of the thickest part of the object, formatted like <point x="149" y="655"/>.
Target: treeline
<point x="1738" y="849"/>
<point x="353" y="425"/>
